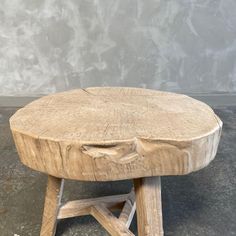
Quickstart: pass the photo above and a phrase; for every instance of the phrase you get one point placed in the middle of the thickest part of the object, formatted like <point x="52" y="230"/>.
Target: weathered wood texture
<point x="51" y="206"/>
<point x="116" y="133"/>
<point x="100" y="208"/>
<point x="83" y="207"/>
<point x="113" y="225"/>
<point x="128" y="211"/>
<point x="149" y="208"/>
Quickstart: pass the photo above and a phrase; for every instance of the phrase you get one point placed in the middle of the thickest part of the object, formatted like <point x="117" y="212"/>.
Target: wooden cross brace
<point x="101" y="209"/>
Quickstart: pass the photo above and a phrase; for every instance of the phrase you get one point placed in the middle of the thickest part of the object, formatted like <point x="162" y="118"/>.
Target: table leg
<point x="51" y="206"/>
<point x="149" y="210"/>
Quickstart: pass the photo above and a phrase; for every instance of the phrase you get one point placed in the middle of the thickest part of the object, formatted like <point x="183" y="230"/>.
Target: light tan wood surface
<point x="149" y="209"/>
<point x="100" y="208"/>
<point x="113" y="225"/>
<point x="128" y="211"/>
<point x="115" y="133"/>
<point x="51" y="206"/>
<point x="83" y="207"/>
<point x="101" y="134"/>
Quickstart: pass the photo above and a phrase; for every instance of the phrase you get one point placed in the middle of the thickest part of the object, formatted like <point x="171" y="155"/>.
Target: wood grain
<point x="149" y="208"/>
<point x="113" y="225"/>
<point x="51" y="206"/>
<point x="83" y="207"/>
<point x="101" y="134"/>
<point x="128" y="211"/>
<point x="100" y="208"/>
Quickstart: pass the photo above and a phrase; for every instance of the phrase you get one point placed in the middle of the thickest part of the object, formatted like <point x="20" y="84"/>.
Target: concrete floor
<point x="202" y="203"/>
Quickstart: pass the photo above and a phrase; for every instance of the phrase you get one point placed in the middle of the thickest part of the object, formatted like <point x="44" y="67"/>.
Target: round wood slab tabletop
<point x="107" y="133"/>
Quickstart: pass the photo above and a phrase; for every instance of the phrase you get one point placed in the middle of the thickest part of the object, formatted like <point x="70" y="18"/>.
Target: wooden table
<point x="104" y="134"/>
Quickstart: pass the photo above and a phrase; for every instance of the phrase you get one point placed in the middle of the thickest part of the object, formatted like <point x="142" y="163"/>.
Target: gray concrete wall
<point x="177" y="45"/>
